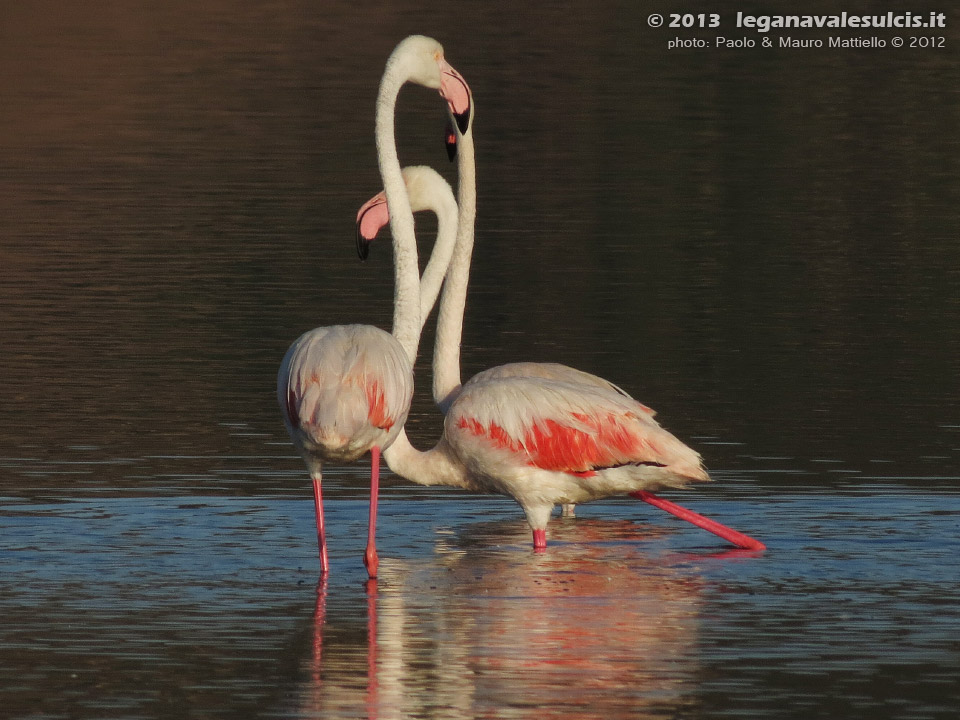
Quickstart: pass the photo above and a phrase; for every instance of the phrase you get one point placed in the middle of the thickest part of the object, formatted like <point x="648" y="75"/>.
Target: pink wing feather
<point x="568" y="427"/>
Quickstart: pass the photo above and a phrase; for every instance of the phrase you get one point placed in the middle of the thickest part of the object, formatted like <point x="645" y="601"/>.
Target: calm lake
<point x="763" y="244"/>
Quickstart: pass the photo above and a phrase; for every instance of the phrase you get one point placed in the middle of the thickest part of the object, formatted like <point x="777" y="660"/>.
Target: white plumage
<point x="344" y="389"/>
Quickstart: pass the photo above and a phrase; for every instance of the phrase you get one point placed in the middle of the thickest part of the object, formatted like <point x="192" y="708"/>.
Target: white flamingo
<point x="544" y="434"/>
<point x="344" y="390"/>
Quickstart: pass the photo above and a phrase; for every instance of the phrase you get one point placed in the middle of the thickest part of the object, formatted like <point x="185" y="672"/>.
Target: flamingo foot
<point x="539" y="540"/>
<point x="371" y="561"/>
<point x="737" y="538"/>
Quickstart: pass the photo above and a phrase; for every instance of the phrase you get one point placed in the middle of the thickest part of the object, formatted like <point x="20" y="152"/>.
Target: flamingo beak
<point x="454" y="89"/>
<point x="371" y="218"/>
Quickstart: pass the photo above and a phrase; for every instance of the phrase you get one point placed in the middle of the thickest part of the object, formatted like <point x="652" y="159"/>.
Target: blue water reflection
<point x="129" y="603"/>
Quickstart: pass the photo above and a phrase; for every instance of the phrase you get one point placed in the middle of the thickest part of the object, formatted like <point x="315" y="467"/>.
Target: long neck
<point x="436" y="466"/>
<point x="446" y="353"/>
<point x="406" y="292"/>
<point x="445" y="208"/>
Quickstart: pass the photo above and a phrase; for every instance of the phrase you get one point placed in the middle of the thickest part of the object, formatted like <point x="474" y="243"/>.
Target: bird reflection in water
<point x="597" y="628"/>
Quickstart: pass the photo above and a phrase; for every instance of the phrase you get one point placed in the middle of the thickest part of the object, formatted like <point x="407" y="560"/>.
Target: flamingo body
<point x="551" y="371"/>
<point x="344" y="389"/>
<point x="546" y="442"/>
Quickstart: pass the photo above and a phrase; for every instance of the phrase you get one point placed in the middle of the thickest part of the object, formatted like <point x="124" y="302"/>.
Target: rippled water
<point x="763" y="247"/>
<point x="141" y="607"/>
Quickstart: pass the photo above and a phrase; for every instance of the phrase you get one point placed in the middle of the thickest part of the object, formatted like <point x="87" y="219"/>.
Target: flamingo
<point x="345" y="390"/>
<point x="542" y="433"/>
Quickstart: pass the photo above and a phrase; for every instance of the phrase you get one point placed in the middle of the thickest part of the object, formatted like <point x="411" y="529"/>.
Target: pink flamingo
<point x="544" y="434"/>
<point x="344" y="390"/>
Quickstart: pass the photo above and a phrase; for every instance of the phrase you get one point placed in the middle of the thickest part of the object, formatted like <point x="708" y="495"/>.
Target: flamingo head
<point x="423" y="63"/>
<point x="426" y="189"/>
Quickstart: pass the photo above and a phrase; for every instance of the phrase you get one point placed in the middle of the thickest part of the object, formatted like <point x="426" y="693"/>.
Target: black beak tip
<point x="363" y="246"/>
<point x="463" y="121"/>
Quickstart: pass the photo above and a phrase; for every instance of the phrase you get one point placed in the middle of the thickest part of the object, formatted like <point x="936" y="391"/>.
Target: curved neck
<point x="406" y="291"/>
<point x="433" y="467"/>
<point x="446" y="353"/>
<point x="444" y="206"/>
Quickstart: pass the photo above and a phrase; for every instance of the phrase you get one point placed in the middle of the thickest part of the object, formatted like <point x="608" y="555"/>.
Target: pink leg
<point x="321" y="533"/>
<point x="737" y="538"/>
<point x="370" y="558"/>
<point x="539" y="540"/>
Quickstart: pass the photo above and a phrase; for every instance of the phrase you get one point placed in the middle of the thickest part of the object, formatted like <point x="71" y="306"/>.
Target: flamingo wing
<point x="565" y="427"/>
<point x="553" y="371"/>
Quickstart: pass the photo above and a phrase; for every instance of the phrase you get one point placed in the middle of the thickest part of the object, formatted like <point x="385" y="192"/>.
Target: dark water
<point x="762" y="245"/>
